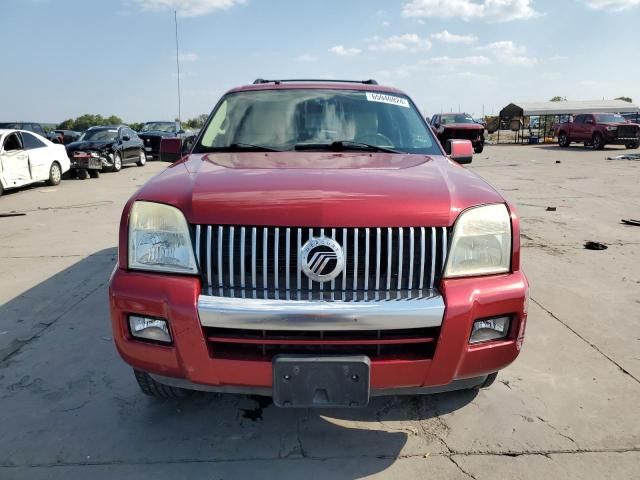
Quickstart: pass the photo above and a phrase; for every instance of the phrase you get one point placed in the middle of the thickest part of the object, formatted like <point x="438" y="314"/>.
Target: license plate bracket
<point x="301" y="381"/>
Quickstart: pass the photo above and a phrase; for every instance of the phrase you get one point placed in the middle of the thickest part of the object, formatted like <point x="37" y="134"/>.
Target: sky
<point x="63" y="58"/>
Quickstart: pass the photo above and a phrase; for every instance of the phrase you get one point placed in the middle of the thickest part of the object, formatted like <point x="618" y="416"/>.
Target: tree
<point x="88" y="120"/>
<point x="558" y="98"/>
<point x="136" y="126"/>
<point x="196" y="122"/>
<point x="626" y="99"/>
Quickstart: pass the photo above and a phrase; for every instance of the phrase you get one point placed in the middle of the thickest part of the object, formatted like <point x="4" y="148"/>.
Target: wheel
<point x="156" y="389"/>
<point x="1" y="190"/>
<point x="55" y="174"/>
<point x="142" y="159"/>
<point x="631" y="146"/>
<point x="478" y="148"/>
<point x="489" y="381"/>
<point x="563" y="140"/>
<point x="117" y="163"/>
<point x="597" y="142"/>
<point x="94" y="173"/>
<point x="83" y="174"/>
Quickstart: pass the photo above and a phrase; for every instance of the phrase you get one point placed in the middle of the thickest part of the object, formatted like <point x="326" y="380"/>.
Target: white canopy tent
<point x="567" y="108"/>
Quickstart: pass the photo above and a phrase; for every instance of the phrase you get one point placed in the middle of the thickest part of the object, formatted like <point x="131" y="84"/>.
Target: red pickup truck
<point x="318" y="246"/>
<point x="598" y="130"/>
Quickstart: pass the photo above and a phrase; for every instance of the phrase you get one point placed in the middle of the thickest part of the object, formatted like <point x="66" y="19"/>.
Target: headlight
<point x="94" y="154"/>
<point x="611" y="129"/>
<point x="481" y="243"/>
<point x="159" y="239"/>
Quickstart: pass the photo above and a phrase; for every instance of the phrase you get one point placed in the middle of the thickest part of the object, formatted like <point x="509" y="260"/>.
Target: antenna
<point x="175" y="19"/>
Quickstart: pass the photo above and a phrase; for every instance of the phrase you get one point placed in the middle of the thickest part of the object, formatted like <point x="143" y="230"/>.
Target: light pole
<point x="175" y="19"/>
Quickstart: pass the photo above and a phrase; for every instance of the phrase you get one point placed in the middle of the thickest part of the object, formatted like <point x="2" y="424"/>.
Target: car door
<point x="39" y="156"/>
<point x="125" y="143"/>
<point x="15" y="162"/>
<point x="589" y="127"/>
<point x="135" y="144"/>
<point x="577" y="130"/>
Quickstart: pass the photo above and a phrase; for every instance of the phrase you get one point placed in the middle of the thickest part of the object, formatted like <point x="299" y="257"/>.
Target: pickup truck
<point x="318" y="245"/>
<point x="598" y="130"/>
<point x="458" y="126"/>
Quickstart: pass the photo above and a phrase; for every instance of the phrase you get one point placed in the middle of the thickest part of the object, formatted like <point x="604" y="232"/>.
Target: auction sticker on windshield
<point x="391" y="99"/>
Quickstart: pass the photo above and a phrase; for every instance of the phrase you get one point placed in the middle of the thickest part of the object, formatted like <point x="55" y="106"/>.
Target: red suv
<point x="318" y="246"/>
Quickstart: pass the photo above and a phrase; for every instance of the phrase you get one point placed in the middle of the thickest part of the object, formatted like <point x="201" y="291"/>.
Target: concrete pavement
<point x="567" y="408"/>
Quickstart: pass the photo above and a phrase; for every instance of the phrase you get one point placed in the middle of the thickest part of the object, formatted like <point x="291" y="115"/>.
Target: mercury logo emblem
<point x="322" y="259"/>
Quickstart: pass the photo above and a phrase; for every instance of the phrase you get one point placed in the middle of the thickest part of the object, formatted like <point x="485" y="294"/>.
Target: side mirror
<point x="460" y="151"/>
<point x="180" y="132"/>
<point x="126" y="138"/>
<point x="171" y="149"/>
<point x="589" y="121"/>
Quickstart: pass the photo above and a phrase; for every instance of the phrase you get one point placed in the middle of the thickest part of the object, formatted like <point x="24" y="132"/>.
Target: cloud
<point x="612" y="5"/>
<point x="186" y="8"/>
<point x="455" y="61"/>
<point x="551" y="76"/>
<point x="509" y="53"/>
<point x="446" y="37"/>
<point x="343" y="51"/>
<point x="187" y="57"/>
<point x="490" y="10"/>
<point x="305" y="57"/>
<point x="409" y="42"/>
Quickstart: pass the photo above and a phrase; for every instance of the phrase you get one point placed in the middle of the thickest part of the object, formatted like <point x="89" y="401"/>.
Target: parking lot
<point x="567" y="408"/>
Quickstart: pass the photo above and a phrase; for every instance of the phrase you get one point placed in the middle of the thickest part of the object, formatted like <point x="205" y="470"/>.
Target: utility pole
<point x="175" y="19"/>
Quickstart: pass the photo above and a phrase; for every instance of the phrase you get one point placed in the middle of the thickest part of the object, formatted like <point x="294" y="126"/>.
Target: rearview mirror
<point x="460" y="151"/>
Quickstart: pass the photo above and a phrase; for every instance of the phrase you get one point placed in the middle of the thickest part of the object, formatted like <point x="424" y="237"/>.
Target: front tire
<point x="117" y="163"/>
<point x="94" y="173"/>
<point x="563" y="140"/>
<point x="156" y="389"/>
<point x="142" y="158"/>
<point x="597" y="141"/>
<point x="632" y="146"/>
<point x="478" y="148"/>
<point x="83" y="174"/>
<point x="55" y="174"/>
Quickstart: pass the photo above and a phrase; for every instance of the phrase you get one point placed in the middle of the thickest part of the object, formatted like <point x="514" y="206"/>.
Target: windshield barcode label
<point x="391" y="99"/>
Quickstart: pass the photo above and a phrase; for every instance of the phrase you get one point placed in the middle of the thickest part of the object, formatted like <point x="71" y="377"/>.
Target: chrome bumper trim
<point x="269" y="314"/>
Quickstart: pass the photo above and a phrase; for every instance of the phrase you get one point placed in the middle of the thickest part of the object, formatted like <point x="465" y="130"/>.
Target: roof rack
<point x="259" y="81"/>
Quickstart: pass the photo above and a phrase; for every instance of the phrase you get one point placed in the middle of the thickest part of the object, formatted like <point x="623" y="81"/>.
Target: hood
<point x="311" y="189"/>
<point x="462" y="126"/>
<point x="156" y="133"/>
<point x="88" y="145"/>
<point x="617" y="124"/>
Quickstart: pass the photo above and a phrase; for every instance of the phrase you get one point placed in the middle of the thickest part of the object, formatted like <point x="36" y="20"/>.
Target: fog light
<point x="489" y="329"/>
<point x="149" y="328"/>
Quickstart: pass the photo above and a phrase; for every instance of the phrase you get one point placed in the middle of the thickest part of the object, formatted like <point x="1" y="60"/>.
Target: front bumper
<point x="188" y="361"/>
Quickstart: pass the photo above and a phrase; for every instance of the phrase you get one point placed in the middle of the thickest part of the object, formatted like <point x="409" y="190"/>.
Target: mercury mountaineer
<point x="318" y="245"/>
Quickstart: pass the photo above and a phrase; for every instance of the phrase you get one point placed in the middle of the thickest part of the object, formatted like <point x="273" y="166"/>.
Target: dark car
<point x="152" y="133"/>
<point x="68" y="136"/>
<point x="458" y="126"/>
<point x="32" y="127"/>
<point x="115" y="145"/>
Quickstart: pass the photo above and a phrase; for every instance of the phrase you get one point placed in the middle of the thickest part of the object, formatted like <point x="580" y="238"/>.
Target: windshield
<point x="16" y="126"/>
<point x="99" y="135"/>
<point x="159" y="127"/>
<point x="292" y="119"/>
<point x="609" y="118"/>
<point x="457" y="118"/>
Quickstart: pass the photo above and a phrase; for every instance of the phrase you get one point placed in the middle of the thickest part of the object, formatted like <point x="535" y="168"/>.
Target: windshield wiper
<point x="342" y="145"/>
<point x="241" y="147"/>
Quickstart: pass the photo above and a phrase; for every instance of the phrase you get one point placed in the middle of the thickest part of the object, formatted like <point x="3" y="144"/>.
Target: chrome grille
<point x="267" y="258"/>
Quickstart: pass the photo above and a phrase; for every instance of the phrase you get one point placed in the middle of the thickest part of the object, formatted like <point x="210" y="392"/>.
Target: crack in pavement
<point x="18" y="345"/>
<point x="592" y="345"/>
<point x="453" y="460"/>
<point x="514" y="454"/>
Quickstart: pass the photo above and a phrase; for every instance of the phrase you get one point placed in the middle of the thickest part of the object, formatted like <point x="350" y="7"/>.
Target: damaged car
<point x="152" y="134"/>
<point x="114" y="146"/>
<point x="459" y="126"/>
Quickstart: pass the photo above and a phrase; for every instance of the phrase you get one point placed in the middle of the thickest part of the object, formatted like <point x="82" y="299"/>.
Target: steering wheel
<point x="375" y="139"/>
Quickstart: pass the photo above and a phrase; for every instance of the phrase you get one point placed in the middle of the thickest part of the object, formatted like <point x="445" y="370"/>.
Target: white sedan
<point x="26" y="157"/>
